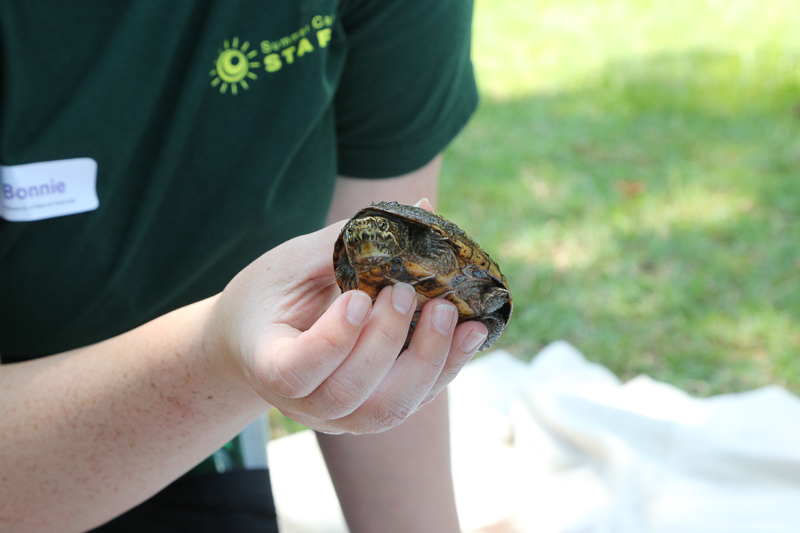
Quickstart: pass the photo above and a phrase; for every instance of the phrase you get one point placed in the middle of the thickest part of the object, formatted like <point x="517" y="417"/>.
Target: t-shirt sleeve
<point x="408" y="86"/>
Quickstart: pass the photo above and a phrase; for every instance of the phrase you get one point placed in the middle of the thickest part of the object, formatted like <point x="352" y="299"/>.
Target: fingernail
<point x="420" y="202"/>
<point x="472" y="341"/>
<point x="358" y="308"/>
<point x="443" y="315"/>
<point x="403" y="297"/>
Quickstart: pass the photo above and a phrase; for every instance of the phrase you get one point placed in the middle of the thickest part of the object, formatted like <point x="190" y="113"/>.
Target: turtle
<point x="389" y="242"/>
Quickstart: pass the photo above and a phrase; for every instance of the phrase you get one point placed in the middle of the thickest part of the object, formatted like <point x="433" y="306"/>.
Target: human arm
<point x="90" y="433"/>
<point x="398" y="480"/>
<point x="351" y="194"/>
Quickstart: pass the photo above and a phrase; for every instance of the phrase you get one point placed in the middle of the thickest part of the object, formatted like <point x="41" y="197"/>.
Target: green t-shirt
<point x="217" y="127"/>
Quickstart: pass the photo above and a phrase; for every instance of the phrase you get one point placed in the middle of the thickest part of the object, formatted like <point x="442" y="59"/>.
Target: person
<point x="166" y="170"/>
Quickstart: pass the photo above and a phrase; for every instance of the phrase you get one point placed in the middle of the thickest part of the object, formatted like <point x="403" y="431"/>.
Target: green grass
<point x="635" y="169"/>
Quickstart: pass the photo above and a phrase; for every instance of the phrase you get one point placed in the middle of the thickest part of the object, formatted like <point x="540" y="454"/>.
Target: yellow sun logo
<point x="232" y="66"/>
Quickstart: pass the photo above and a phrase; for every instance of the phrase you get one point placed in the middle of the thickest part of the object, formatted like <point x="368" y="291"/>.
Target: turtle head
<point x="373" y="240"/>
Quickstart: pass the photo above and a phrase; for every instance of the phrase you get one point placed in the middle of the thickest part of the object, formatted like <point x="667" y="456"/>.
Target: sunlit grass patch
<point x="693" y="205"/>
<point x="635" y="169"/>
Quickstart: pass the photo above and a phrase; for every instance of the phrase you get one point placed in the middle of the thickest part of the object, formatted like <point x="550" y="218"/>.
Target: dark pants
<point x="233" y="502"/>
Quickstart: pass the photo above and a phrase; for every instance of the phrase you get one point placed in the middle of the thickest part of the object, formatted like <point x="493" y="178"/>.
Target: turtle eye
<point x="382" y="224"/>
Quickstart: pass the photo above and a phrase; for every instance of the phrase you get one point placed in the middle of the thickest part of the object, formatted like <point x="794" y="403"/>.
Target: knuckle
<point x="327" y="346"/>
<point x="286" y="381"/>
<point x="434" y="359"/>
<point x="393" y="414"/>
<point x="447" y="375"/>
<point x="391" y="336"/>
<point x="340" y="396"/>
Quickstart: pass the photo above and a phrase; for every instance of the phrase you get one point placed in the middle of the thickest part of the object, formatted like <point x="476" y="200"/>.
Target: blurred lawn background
<point x="634" y="167"/>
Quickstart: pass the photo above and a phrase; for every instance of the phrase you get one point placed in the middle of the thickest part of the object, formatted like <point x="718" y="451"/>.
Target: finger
<point x="468" y="338"/>
<point x="307" y="263"/>
<point x="370" y="360"/>
<point x="415" y="372"/>
<point x="292" y="367"/>
<point x="425" y="204"/>
<point x="329" y="427"/>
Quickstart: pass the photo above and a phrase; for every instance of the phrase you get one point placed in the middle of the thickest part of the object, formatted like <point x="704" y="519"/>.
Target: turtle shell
<point x="389" y="243"/>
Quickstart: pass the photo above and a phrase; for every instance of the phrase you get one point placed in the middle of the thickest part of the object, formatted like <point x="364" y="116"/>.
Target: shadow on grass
<point x="650" y="217"/>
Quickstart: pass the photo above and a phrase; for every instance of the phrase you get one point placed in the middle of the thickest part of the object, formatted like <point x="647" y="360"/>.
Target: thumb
<point x="309" y="256"/>
<point x="294" y="366"/>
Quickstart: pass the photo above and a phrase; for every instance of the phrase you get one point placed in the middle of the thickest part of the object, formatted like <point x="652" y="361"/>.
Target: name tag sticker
<point x="36" y="191"/>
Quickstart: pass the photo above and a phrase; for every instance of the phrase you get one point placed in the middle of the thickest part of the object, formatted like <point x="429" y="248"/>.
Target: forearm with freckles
<point x="90" y="433"/>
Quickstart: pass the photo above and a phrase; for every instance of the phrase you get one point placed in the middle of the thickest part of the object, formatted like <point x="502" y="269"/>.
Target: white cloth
<point x="561" y="445"/>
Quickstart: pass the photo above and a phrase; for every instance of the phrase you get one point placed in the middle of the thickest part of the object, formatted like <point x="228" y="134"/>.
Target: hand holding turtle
<point x="330" y="360"/>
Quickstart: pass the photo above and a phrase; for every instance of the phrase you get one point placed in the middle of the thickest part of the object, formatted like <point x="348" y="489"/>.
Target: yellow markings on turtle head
<point x="232" y="66"/>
